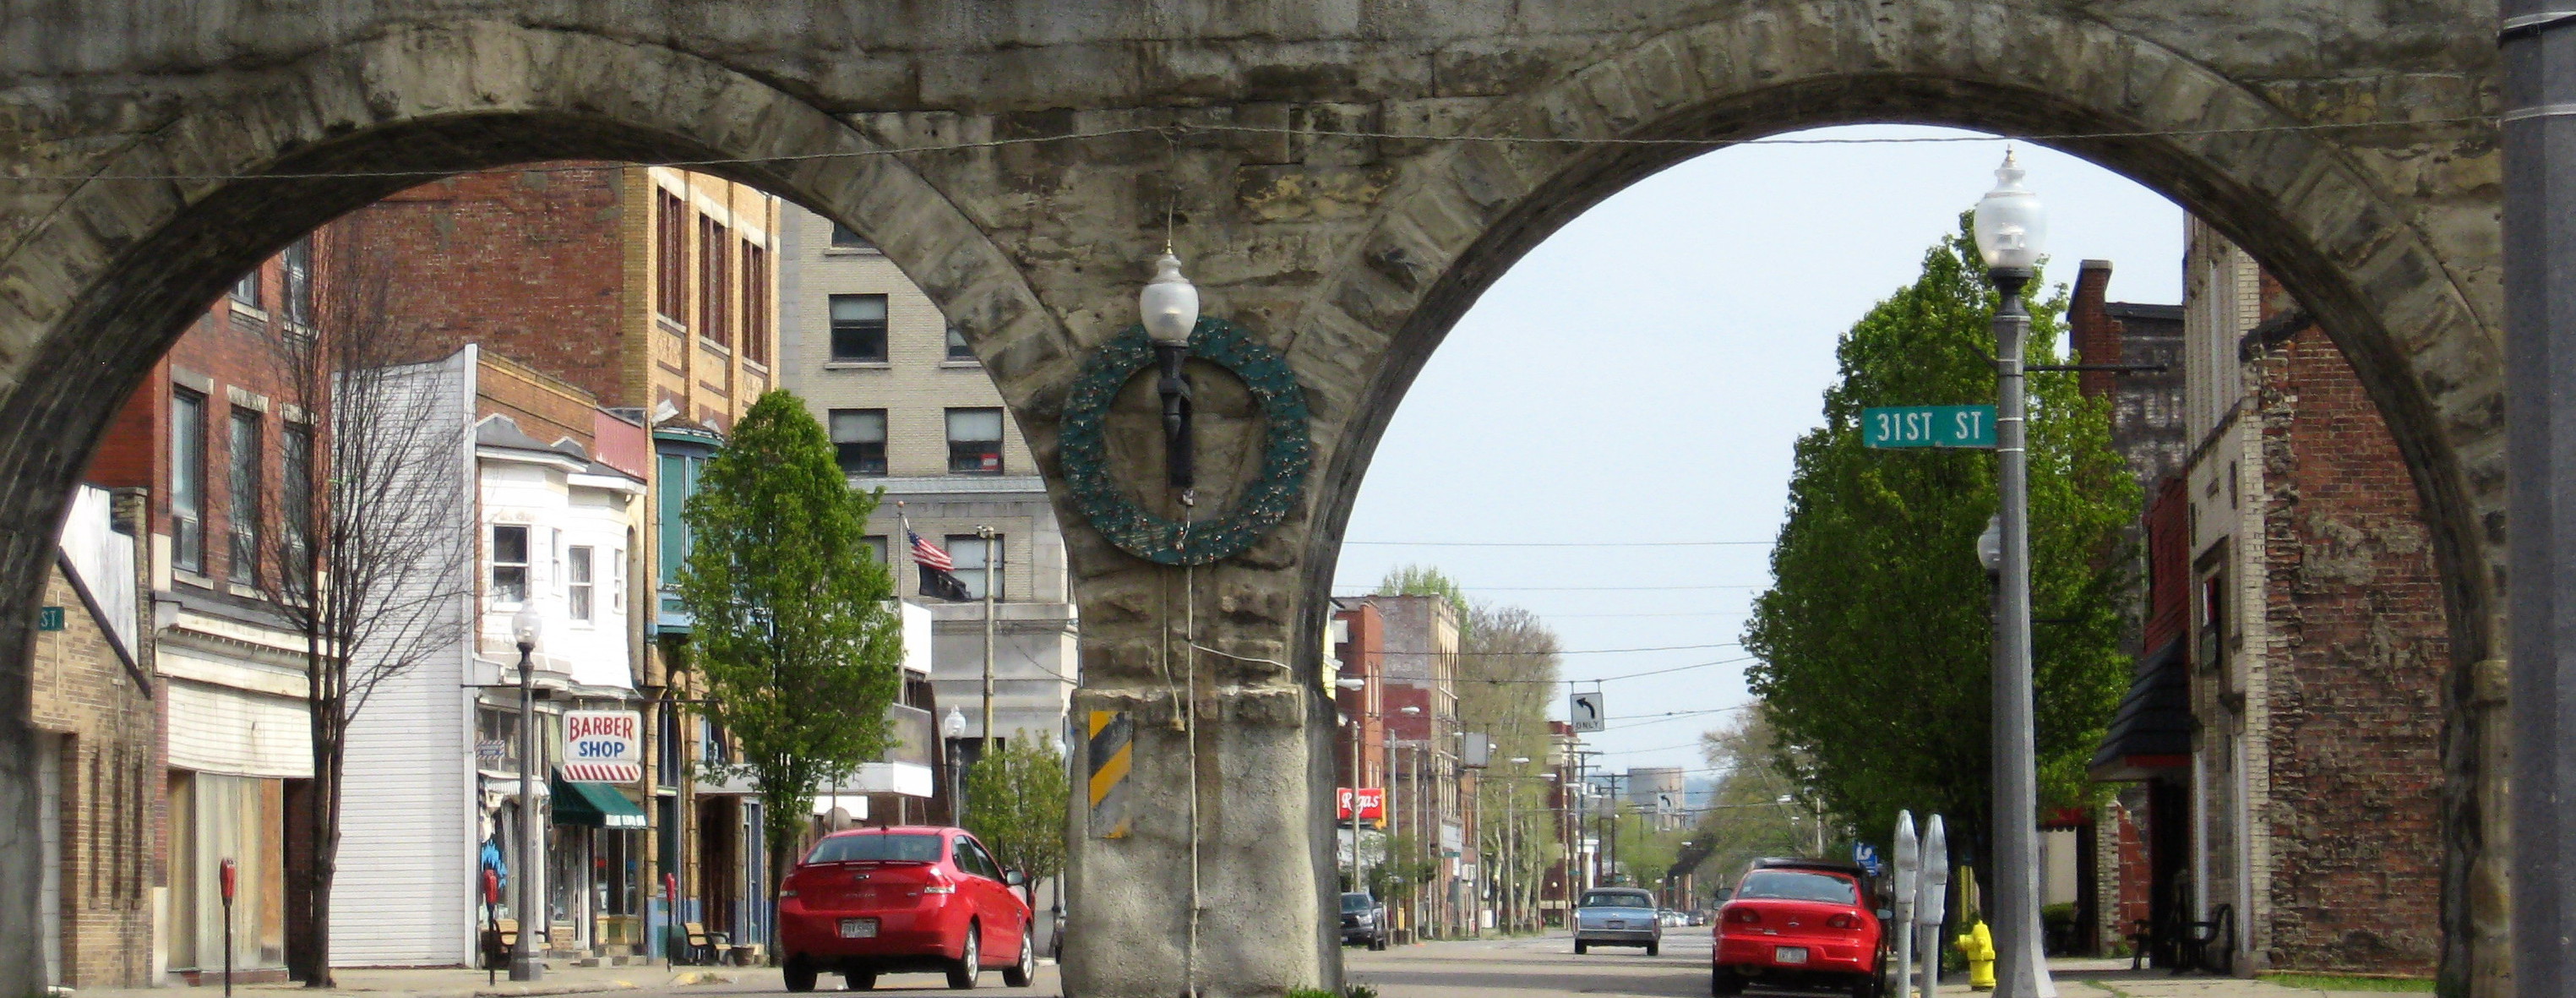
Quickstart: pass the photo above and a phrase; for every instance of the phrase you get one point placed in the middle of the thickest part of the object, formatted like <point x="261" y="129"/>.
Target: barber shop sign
<point x="603" y="746"/>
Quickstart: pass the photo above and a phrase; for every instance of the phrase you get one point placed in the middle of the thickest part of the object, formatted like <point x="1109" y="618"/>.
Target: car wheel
<point x="1723" y="983"/>
<point x="970" y="962"/>
<point x="860" y="980"/>
<point x="1654" y="949"/>
<point x="1865" y="986"/>
<point x="1579" y="947"/>
<point x="799" y="973"/>
<point x="1020" y="973"/>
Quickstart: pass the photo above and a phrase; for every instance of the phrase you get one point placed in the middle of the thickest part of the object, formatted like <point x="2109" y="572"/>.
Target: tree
<point x="1424" y="580"/>
<point x="794" y="631"/>
<point x="1873" y="642"/>
<point x="1015" y="803"/>
<point x="1744" y="818"/>
<point x="366" y="553"/>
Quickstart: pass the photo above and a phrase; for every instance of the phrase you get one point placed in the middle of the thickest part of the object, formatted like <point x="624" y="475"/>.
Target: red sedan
<point x="887" y="900"/>
<point x="1797" y="923"/>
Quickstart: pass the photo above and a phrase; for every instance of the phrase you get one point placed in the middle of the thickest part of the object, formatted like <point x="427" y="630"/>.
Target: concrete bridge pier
<point x="1197" y="850"/>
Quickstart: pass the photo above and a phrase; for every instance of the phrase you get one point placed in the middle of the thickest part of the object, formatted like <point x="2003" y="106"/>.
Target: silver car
<point x="1617" y="916"/>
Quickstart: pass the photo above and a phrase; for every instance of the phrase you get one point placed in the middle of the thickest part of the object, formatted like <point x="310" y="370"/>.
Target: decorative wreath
<point x="1286" y="450"/>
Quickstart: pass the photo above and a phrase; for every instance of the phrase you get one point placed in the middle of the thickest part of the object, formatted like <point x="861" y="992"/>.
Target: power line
<point x="1358" y="589"/>
<point x="1559" y="544"/>
<point x="1173" y="131"/>
<point x="1632" y="675"/>
<point x="1577" y="651"/>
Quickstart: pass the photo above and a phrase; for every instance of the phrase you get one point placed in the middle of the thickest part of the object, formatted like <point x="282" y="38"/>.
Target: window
<point x="671" y="257"/>
<point x="246" y="288"/>
<point x="957" y="348"/>
<point x="2213" y="620"/>
<point x="296" y="268"/>
<point x="859" y="328"/>
<point x="844" y="237"/>
<point x="755" y="304"/>
<point x="715" y="281"/>
<point x="899" y="847"/>
<point x="974" y="441"/>
<point x="509" y="565"/>
<point x="243" y="452"/>
<point x="617" y="579"/>
<point x="966" y="551"/>
<point x="577" y="584"/>
<point x="876" y="545"/>
<point x="859" y="438"/>
<point x="711" y="744"/>
<point x="496" y="739"/>
<point x="188" y="480"/>
<point x="1793" y="885"/>
<point x="295" y="494"/>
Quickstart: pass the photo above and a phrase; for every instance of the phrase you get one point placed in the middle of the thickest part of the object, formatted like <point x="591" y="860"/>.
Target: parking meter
<point x="224" y="881"/>
<point x="1934" y="895"/>
<point x="1909" y="871"/>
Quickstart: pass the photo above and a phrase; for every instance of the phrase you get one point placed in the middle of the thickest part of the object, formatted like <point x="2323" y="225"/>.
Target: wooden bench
<point x="698" y="946"/>
<point x="499" y="939"/>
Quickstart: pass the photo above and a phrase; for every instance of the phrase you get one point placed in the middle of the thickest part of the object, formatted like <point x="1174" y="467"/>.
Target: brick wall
<point x="528" y="262"/>
<point x="2355" y="621"/>
<point x="110" y="780"/>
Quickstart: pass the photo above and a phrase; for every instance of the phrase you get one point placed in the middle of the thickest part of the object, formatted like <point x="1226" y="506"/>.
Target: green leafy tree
<point x="1015" y="803"/>
<point x="794" y="633"/>
<point x="1874" y="641"/>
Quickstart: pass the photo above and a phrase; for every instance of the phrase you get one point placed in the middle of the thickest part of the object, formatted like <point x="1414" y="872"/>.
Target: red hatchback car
<point x="873" y="901"/>
<point x="1798" y="923"/>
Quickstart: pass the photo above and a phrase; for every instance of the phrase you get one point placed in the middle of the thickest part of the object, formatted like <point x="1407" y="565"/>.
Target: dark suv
<point x="1363" y="920"/>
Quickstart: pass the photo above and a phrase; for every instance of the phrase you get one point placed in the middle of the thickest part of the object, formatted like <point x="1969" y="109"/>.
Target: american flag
<point x="929" y="555"/>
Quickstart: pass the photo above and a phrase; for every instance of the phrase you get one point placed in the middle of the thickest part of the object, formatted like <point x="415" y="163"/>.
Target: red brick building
<point x="207" y="445"/>
<point x="2305" y="677"/>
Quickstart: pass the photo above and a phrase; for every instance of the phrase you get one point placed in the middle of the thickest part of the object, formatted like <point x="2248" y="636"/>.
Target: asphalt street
<point x="1542" y="965"/>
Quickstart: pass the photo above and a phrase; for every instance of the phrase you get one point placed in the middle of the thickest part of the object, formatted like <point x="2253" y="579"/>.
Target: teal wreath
<point x="1286" y="451"/>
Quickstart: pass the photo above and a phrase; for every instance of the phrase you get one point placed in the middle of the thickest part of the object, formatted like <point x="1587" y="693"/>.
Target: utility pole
<point x="992" y="560"/>
<point x="2539" y="131"/>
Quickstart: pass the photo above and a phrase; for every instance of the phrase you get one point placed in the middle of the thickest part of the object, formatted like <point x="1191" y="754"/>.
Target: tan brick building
<point x="911" y="411"/>
<point x="98" y="722"/>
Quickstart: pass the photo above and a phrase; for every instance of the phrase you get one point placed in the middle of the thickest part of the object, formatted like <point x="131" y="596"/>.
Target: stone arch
<point x="2418" y="319"/>
<point x="98" y="287"/>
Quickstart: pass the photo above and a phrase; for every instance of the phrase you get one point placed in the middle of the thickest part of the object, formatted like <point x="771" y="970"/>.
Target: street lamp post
<point x="954" y="727"/>
<point x="525" y="626"/>
<point x="1359" y="710"/>
<point x="2010" y="225"/>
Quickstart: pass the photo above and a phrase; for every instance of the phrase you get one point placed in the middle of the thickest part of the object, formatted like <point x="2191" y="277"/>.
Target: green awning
<point x="595" y="805"/>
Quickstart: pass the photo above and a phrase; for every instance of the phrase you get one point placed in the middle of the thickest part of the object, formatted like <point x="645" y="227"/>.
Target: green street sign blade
<point x="1929" y="426"/>
<point x="49" y="619"/>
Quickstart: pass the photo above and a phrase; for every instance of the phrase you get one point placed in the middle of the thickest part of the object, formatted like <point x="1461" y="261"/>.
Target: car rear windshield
<point x="1618" y="899"/>
<point x="1791" y="885"/>
<point x="1355" y="902"/>
<point x="898" y="848"/>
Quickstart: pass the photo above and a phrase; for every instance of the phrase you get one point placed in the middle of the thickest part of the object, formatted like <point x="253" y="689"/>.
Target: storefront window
<point x="214" y="818"/>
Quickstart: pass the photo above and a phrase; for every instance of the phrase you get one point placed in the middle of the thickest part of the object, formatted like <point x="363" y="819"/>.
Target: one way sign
<point x="1585" y="710"/>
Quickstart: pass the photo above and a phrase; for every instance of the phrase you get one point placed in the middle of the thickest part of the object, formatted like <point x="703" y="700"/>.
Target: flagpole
<point x="904" y="523"/>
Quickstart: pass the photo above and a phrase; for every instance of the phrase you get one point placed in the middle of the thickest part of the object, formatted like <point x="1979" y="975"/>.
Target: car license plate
<point x="1615" y="924"/>
<point x="1789" y="954"/>
<point x="858" y="928"/>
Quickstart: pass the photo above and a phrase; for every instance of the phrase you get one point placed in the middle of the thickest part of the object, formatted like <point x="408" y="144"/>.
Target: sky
<point x="1631" y="391"/>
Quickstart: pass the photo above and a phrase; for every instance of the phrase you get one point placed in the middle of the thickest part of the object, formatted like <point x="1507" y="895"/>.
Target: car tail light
<point x="1842" y="922"/>
<point x="1744" y="916"/>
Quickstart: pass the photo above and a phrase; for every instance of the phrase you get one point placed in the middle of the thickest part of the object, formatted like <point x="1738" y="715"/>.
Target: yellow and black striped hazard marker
<point x="1112" y="754"/>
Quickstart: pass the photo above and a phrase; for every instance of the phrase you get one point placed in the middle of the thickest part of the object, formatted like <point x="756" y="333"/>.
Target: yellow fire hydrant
<point x="1978" y="946"/>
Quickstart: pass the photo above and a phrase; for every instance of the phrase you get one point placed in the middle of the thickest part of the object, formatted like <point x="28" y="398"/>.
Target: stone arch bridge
<point x="150" y="151"/>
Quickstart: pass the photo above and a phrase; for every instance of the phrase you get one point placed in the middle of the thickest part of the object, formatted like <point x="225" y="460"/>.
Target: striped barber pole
<point x="603" y="772"/>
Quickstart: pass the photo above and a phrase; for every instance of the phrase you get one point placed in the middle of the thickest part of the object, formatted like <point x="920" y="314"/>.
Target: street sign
<point x="1929" y="426"/>
<point x="1475" y="751"/>
<point x="1584" y="709"/>
<point x="602" y="746"/>
<point x="49" y="619"/>
<point x="1866" y="855"/>
<point x="1372" y="801"/>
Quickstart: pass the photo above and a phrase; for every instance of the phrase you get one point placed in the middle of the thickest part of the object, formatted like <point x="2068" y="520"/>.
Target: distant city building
<point x="1420" y="671"/>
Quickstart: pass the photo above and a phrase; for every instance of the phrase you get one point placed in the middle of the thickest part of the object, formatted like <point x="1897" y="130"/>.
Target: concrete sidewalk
<point x="449" y="982"/>
<point x="2114" y="979"/>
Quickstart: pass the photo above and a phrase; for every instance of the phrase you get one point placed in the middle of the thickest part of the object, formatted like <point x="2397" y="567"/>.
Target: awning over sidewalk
<point x="594" y="805"/>
<point x="2151" y="733"/>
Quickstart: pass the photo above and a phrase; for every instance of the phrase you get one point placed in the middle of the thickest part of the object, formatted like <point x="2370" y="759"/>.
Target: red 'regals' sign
<point x="1372" y="803"/>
